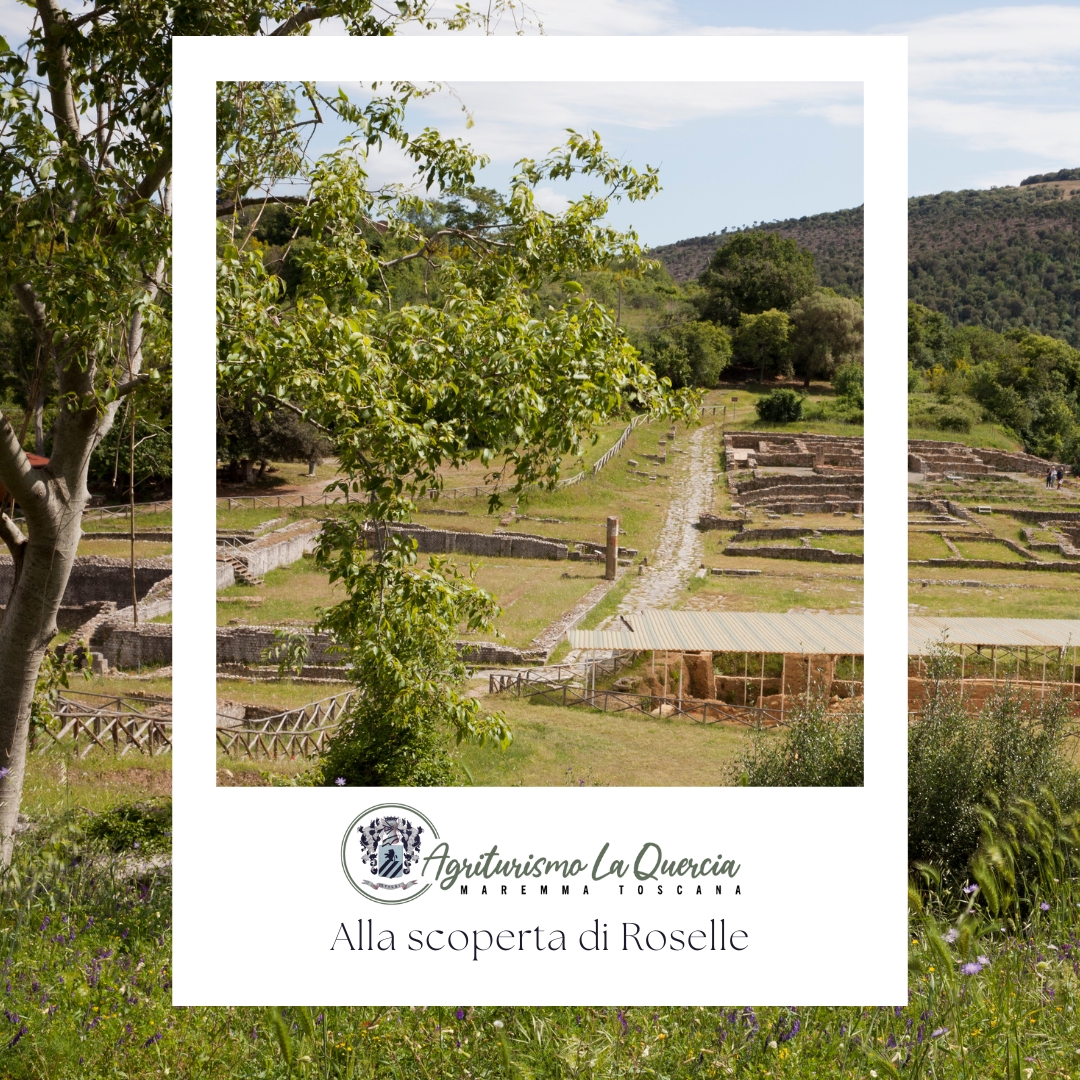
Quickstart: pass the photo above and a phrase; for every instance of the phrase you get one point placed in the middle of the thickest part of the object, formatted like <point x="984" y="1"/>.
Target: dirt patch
<point x="133" y="782"/>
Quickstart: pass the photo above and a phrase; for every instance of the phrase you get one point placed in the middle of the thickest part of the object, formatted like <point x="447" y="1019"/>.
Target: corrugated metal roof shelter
<point x="925" y="633"/>
<point x="728" y="631"/>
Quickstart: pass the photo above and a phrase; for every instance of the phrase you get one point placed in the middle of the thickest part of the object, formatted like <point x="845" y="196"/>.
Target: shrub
<point x="143" y="827"/>
<point x="959" y="761"/>
<point x="848" y="382"/>
<point x="780" y="406"/>
<point x="815" y="750"/>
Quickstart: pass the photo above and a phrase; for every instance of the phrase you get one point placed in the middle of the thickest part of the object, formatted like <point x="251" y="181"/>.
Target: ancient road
<point x="680" y="546"/>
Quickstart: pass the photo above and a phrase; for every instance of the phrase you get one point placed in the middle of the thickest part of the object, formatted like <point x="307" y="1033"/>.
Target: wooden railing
<point x="301" y="732"/>
<point x="117" y="724"/>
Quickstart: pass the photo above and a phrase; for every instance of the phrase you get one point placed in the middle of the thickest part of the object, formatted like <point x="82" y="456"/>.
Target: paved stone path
<point x="680" y="546"/>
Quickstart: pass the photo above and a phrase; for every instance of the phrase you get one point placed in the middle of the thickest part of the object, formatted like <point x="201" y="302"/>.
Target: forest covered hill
<point x="998" y="258"/>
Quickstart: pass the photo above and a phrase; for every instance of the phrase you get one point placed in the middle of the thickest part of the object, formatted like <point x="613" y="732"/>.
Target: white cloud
<point x="516" y="120"/>
<point x="15" y="21"/>
<point x="1053" y="134"/>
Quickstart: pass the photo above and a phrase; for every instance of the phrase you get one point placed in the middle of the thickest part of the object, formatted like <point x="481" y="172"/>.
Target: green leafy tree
<point x="929" y="337"/>
<point x="848" y="382"/>
<point x="764" y="341"/>
<point x="403" y="390"/>
<point x="689" y="354"/>
<point x="755" y="272"/>
<point x="827" y="331"/>
<point x="85" y="161"/>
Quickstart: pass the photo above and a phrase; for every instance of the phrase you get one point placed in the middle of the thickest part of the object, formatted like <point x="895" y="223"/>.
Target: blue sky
<point x="995" y="96"/>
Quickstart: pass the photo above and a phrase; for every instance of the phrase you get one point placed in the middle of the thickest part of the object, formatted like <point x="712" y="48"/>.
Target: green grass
<point x="851" y="544"/>
<point x="278" y="693"/>
<point x="986" y="549"/>
<point x="924" y="545"/>
<point x="777" y="589"/>
<point x="290" y="593"/>
<point x="555" y="745"/>
<point x="991" y="436"/>
<point x="121" y="549"/>
<point x="820" y="410"/>
<point x="88" y="977"/>
<point x="144" y="519"/>
<point x="1040" y="595"/>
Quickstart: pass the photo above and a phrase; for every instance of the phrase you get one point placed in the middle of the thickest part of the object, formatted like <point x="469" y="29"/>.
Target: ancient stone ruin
<point x="787" y="474"/>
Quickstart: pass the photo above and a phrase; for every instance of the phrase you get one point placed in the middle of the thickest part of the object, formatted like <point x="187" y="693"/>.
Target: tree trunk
<point x="28" y="626"/>
<point x="39" y="418"/>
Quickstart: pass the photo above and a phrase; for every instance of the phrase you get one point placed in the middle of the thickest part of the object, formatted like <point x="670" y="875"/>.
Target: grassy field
<point x="820" y="409"/>
<point x="823" y="588"/>
<point x="926" y="545"/>
<point x="555" y="745"/>
<point x="289" y="594"/>
<point x="121" y="523"/>
<point x="87" y="990"/>
<point x="991" y="436"/>
<point x="121" y="549"/>
<point x="1002" y="594"/>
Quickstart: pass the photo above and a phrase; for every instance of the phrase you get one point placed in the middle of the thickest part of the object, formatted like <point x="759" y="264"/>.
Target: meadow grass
<point x="86" y="938"/>
<point x="554" y="745"/>
<point x="831" y="588"/>
<point x="121" y="549"/>
<point x="1006" y="594"/>
<point x="993" y="985"/>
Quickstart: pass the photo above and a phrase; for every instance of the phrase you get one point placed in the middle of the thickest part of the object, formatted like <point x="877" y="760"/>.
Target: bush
<point x="143" y="827"/>
<point x="847" y="380"/>
<point x="780" y="406"/>
<point x="815" y="750"/>
<point x="959" y="761"/>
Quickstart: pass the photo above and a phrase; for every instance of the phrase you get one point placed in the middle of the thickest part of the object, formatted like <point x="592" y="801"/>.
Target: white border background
<point x="259" y="891"/>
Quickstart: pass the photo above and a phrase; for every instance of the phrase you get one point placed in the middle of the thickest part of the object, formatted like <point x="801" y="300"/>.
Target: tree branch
<point x="152" y="181"/>
<point x="55" y="24"/>
<point x="227" y="208"/>
<point x="16" y="472"/>
<point x="305" y="15"/>
<point x="12" y="535"/>
<point x="125" y="388"/>
<point x="299" y="412"/>
<point x="90" y="16"/>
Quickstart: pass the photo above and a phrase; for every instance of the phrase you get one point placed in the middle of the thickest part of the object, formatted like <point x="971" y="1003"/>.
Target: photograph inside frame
<point x="540" y="427"/>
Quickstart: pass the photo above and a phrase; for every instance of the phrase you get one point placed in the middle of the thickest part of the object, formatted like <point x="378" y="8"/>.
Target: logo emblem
<point x="381" y="849"/>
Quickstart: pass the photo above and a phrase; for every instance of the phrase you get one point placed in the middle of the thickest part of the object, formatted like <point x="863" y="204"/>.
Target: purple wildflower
<point x="622" y="1020"/>
<point x="938" y="1032"/>
<point x="920" y="1033"/>
<point x="45" y="922"/>
<point x="3" y="772"/>
<point x="984" y="960"/>
<point x="460" y="1014"/>
<point x="891" y="1042"/>
<point x="340" y="781"/>
<point x="156" y="1037"/>
<point x="1044" y="906"/>
<point x="971" y="969"/>
<point x="22" y="1030"/>
<point x="969" y="889"/>
<point x="952" y="935"/>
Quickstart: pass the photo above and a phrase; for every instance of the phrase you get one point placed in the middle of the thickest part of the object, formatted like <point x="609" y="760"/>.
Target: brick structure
<point x="930" y="457"/>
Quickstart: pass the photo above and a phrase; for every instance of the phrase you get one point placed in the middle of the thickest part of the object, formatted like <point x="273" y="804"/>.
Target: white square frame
<point x="259" y="892"/>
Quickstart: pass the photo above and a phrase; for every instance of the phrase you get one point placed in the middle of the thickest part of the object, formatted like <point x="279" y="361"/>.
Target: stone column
<point x="612" y="548"/>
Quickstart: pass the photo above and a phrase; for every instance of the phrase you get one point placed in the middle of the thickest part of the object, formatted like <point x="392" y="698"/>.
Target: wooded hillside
<point x="1001" y="258"/>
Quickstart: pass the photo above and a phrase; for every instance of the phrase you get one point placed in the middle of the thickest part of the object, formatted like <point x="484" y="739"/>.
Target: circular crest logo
<point x="380" y="852"/>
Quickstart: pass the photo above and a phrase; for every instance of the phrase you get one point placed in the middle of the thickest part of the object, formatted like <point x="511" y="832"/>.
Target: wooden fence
<point x="116" y="724"/>
<point x="299" y="732"/>
<point x="567" y="693"/>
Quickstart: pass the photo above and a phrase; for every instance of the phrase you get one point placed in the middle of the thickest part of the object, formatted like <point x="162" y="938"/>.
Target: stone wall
<point x="497" y="545"/>
<point x="282" y="547"/>
<point x="226" y="576"/>
<point x="127" y="646"/>
<point x="801" y="554"/>
<point x="96" y="577"/>
<point x="246" y="644"/>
